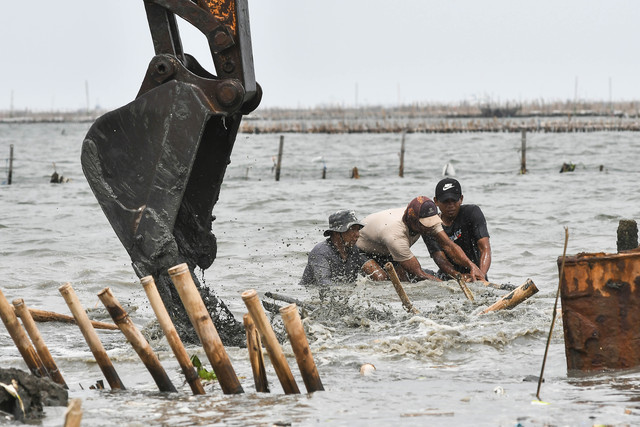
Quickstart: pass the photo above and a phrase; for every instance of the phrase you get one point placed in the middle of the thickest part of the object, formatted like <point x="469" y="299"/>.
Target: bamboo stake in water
<point x="73" y="415"/>
<point x="138" y="342"/>
<point x="276" y="355"/>
<point x="254" y="345"/>
<point x="523" y="162"/>
<point x="170" y="332"/>
<point x="300" y="346"/>
<point x="393" y="276"/>
<point x="555" y="309"/>
<point x="279" y="163"/>
<point x="91" y="337"/>
<point x="513" y="298"/>
<point x="50" y="316"/>
<point x="401" y="171"/>
<point x="206" y="330"/>
<point x="38" y="342"/>
<point x="10" y="175"/>
<point x="20" y="338"/>
<point x="465" y="289"/>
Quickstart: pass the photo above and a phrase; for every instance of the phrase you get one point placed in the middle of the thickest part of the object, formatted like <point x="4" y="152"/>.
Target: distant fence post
<point x="279" y="163"/>
<point x="401" y="170"/>
<point x="10" y="164"/>
<point x="523" y="162"/>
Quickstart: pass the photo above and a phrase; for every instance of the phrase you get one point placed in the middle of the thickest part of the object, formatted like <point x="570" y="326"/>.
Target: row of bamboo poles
<point x="442" y="126"/>
<point x="258" y="330"/>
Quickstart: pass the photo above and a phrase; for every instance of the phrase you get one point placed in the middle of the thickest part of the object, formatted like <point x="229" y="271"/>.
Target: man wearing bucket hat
<point x="388" y="236"/>
<point x="337" y="259"/>
<point x="466" y="227"/>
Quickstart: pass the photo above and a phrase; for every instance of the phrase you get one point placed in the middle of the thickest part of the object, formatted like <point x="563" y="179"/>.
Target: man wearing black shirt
<point x="465" y="225"/>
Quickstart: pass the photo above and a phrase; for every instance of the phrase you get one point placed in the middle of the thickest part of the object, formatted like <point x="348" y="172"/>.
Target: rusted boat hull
<point x="600" y="296"/>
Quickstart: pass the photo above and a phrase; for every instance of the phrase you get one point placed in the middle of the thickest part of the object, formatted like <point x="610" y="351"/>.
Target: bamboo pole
<point x="501" y="286"/>
<point x="170" y="332"/>
<point x="138" y="342"/>
<point x="523" y="161"/>
<point x="401" y="170"/>
<point x="254" y="345"/>
<point x="50" y="316"/>
<point x="513" y="298"/>
<point x="279" y="163"/>
<point x="20" y="338"/>
<point x="465" y="289"/>
<point x="91" y="337"/>
<point x="406" y="303"/>
<point x="10" y="175"/>
<point x="73" y="414"/>
<point x="206" y="330"/>
<point x="36" y="338"/>
<point x="300" y="346"/>
<point x="276" y="355"/>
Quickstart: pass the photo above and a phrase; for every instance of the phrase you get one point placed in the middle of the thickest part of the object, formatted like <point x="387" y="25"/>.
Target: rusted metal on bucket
<point x="600" y="296"/>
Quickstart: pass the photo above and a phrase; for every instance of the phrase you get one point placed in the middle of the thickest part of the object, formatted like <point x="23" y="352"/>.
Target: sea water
<point x="447" y="365"/>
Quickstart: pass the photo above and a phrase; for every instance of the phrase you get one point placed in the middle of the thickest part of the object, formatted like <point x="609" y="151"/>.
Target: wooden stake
<point x="401" y="170"/>
<point x="91" y="337"/>
<point x="254" y="345"/>
<point x="274" y="350"/>
<point x="50" y="316"/>
<point x="10" y="175"/>
<point x="279" y="163"/>
<point x="20" y="338"/>
<point x="138" y="342"/>
<point x="73" y="415"/>
<point x="406" y="303"/>
<point x="38" y="342"/>
<point x="513" y="298"/>
<point x="170" y="332"/>
<point x="523" y="162"/>
<point x="300" y="346"/>
<point x="465" y="289"/>
<point x="206" y="330"/>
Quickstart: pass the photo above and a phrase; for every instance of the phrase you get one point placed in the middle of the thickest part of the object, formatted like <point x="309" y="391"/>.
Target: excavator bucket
<point x="156" y="164"/>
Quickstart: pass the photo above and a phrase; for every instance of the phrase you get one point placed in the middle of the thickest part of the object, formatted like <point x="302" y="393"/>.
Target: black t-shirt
<point x="468" y="227"/>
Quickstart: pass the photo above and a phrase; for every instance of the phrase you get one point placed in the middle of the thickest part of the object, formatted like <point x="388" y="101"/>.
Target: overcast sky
<point x="338" y="52"/>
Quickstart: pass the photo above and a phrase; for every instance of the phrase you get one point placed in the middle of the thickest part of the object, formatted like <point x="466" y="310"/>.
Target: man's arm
<point x="412" y="266"/>
<point x="373" y="271"/>
<point x="444" y="264"/>
<point x="456" y="253"/>
<point x="485" y="254"/>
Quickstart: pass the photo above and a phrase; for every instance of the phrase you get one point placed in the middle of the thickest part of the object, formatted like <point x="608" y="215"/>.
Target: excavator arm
<point x="156" y="164"/>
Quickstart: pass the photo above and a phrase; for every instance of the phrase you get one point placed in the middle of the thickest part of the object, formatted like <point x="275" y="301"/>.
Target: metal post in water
<point x="36" y="338"/>
<point x="138" y="342"/>
<point x="279" y="163"/>
<point x="401" y="171"/>
<point x="91" y="337"/>
<point x="10" y="164"/>
<point x="170" y="332"/>
<point x="300" y="346"/>
<point x="523" y="162"/>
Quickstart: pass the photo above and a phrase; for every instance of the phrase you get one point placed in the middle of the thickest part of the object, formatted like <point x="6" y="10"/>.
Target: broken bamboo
<point x="254" y="345"/>
<point x="393" y="276"/>
<point x="206" y="330"/>
<point x="137" y="341"/>
<point x="300" y="346"/>
<point x="170" y="332"/>
<point x="73" y="414"/>
<point x="463" y="285"/>
<point x="513" y="298"/>
<point x="276" y="355"/>
<point x="20" y="338"/>
<point x="50" y="316"/>
<point x="91" y="337"/>
<point x="36" y="338"/>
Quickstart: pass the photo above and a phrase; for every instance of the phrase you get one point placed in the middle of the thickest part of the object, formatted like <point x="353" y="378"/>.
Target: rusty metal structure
<point x="156" y="164"/>
<point x="601" y="310"/>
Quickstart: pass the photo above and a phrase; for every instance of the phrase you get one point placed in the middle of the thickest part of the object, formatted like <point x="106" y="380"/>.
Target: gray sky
<point x="338" y="52"/>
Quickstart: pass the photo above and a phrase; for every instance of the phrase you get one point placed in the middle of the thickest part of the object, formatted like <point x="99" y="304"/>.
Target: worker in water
<point x="388" y="236"/>
<point x="337" y="259"/>
<point x="466" y="227"/>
